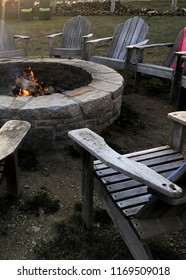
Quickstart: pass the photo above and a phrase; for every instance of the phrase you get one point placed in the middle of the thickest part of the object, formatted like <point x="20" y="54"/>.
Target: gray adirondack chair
<point x="75" y="32"/>
<point x="11" y="135"/>
<point x="134" y="188"/>
<point x="131" y="32"/>
<point x="8" y="43"/>
<point x="163" y="71"/>
<point x="44" y="10"/>
<point x="26" y="10"/>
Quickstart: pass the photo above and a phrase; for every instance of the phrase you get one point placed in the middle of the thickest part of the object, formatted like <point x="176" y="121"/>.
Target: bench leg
<point x="87" y="188"/>
<point x="12" y="174"/>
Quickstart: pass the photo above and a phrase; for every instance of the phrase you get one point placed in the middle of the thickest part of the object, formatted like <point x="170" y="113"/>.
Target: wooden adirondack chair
<point x="11" y="135"/>
<point x="131" y="32"/>
<point x="8" y="44"/>
<point x="26" y="10"/>
<point x="163" y="71"/>
<point x="75" y="32"/>
<point x="44" y="10"/>
<point x="133" y="188"/>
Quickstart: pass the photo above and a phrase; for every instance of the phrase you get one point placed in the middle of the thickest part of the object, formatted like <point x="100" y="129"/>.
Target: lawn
<point x="162" y="29"/>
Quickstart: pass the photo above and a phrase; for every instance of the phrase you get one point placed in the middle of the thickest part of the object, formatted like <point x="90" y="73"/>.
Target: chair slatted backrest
<point x="171" y="55"/>
<point x="132" y="31"/>
<point x="7" y="42"/>
<point x="73" y="31"/>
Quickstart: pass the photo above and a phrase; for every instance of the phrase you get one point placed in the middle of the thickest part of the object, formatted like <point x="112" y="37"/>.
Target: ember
<point x="27" y="85"/>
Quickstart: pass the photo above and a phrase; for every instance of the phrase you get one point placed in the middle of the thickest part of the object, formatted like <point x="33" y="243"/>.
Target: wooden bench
<point x="11" y="135"/>
<point x="134" y="187"/>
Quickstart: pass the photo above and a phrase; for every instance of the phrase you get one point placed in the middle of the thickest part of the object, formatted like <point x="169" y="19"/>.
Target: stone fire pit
<point x="92" y="97"/>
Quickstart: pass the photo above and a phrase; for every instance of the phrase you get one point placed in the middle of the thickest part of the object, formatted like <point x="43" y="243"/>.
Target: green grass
<point x="162" y="29"/>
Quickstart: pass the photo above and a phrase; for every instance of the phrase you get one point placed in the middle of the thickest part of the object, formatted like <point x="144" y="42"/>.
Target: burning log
<point x="27" y="85"/>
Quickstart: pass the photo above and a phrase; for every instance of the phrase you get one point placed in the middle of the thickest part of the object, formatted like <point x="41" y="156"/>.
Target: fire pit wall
<point x="92" y="97"/>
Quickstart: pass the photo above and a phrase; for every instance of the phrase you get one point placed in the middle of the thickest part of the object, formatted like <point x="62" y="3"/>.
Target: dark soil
<point x="45" y="222"/>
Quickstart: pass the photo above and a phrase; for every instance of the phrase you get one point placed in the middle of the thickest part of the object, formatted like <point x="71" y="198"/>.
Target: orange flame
<point x="31" y="77"/>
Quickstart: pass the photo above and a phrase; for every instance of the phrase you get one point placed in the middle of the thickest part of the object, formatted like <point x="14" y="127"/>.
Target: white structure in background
<point x="174" y="5"/>
<point x="112" y="6"/>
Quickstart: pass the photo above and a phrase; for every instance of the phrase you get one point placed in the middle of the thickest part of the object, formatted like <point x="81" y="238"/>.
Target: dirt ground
<point x="45" y="222"/>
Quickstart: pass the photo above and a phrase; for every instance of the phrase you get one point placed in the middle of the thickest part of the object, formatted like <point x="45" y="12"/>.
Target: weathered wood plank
<point x="129" y="193"/>
<point x="151" y="227"/>
<point x="130" y="183"/>
<point x="155" y="70"/>
<point x="106" y="171"/>
<point x="132" y="211"/>
<point x="138" y="153"/>
<point x="131" y="202"/>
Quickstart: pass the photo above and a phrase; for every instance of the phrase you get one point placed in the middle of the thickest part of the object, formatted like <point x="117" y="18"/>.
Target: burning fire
<point x="28" y="85"/>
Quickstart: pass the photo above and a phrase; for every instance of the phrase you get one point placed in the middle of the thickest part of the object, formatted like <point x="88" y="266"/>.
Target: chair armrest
<point x="96" y="146"/>
<point x="11" y="135"/>
<point x="25" y="41"/>
<point x="99" y="40"/>
<point x="90" y="46"/>
<point x="50" y="39"/>
<point x="177" y="132"/>
<point x="179" y="117"/>
<point x="153" y="45"/>
<point x="138" y="44"/>
<point x="182" y="53"/>
<point x="139" y="49"/>
<point x="54" y="35"/>
<point x="21" y="37"/>
<point x="87" y="36"/>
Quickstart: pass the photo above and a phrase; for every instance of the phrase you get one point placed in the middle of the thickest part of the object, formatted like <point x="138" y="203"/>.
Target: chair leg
<point x="174" y="91"/>
<point x="176" y="81"/>
<point x="181" y="100"/>
<point x="137" y="80"/>
<point x="87" y="188"/>
<point x="12" y="174"/>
